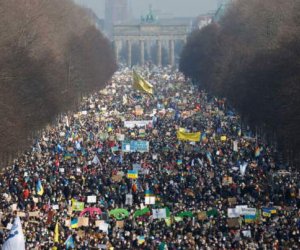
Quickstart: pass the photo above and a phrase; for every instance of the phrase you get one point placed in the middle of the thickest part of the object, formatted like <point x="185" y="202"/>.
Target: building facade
<point x="116" y="12"/>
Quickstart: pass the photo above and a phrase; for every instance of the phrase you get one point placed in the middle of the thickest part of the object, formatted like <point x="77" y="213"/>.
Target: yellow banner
<point x="184" y="136"/>
<point x="141" y="84"/>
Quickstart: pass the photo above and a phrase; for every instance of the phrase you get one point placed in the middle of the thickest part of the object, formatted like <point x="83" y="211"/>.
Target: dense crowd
<point x="202" y="186"/>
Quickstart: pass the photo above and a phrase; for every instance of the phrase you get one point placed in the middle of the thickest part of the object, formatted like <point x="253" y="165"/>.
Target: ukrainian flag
<point x="141" y="84"/>
<point x="39" y="188"/>
<point x="148" y="193"/>
<point x="70" y="242"/>
<point x="184" y="136"/>
<point x="132" y="174"/>
<point x="109" y="127"/>
<point x="74" y="223"/>
<point x="266" y="212"/>
<point x="250" y="218"/>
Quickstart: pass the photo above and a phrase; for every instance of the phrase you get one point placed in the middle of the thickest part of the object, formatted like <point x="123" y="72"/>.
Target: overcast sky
<point x="164" y="8"/>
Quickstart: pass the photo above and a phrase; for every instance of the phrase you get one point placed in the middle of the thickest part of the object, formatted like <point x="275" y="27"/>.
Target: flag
<point x="70" y="242"/>
<point x="223" y="138"/>
<point x="250" y="218"/>
<point x="266" y="212"/>
<point x="208" y="155"/>
<point x="74" y="223"/>
<point x="132" y="174"/>
<point x="15" y="239"/>
<point x="96" y="160"/>
<point x="203" y="138"/>
<point x="243" y="168"/>
<point x="179" y="162"/>
<point x="39" y="188"/>
<point x="77" y="206"/>
<point x="239" y="132"/>
<point x="56" y="233"/>
<point x="109" y="127"/>
<point x="141" y="240"/>
<point x="257" y="151"/>
<point x="148" y="193"/>
<point x="141" y="84"/>
<point x="184" y="136"/>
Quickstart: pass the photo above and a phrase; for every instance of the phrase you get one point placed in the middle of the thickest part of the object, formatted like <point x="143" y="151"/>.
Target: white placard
<point x="61" y="170"/>
<point x="239" y="208"/>
<point x="129" y="199"/>
<point x="232" y="213"/>
<point x="159" y="213"/>
<point x="132" y="124"/>
<point x="248" y="211"/>
<point x="55" y="207"/>
<point x="103" y="226"/>
<point x="92" y="199"/>
<point x="150" y="200"/>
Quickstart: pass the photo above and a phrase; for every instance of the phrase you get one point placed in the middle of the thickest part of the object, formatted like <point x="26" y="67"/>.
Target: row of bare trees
<point x="51" y="55"/>
<point x="252" y="57"/>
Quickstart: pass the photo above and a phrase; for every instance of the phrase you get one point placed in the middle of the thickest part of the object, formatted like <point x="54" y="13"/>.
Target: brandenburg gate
<point x="146" y="33"/>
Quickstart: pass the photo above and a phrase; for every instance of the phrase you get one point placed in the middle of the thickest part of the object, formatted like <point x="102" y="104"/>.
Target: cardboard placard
<point x="34" y="214"/>
<point x="21" y="214"/>
<point x="232" y="201"/>
<point x="83" y="222"/>
<point x="233" y="223"/>
<point x="116" y="178"/>
<point x="120" y="224"/>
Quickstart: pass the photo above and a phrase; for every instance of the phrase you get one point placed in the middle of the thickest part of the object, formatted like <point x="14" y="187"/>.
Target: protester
<point x="223" y="191"/>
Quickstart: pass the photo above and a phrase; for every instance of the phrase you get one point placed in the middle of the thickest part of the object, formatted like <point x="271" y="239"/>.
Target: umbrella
<point x="141" y="212"/>
<point x="119" y="213"/>
<point x="91" y="210"/>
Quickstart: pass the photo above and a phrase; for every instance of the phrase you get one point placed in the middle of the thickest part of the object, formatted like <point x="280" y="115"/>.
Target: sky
<point x="163" y="8"/>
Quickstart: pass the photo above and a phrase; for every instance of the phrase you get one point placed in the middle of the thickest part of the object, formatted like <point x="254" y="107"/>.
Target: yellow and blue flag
<point x="70" y="243"/>
<point x="39" y="188"/>
<point x="74" y="223"/>
<point x="266" y="212"/>
<point x="132" y="174"/>
<point x="141" y="84"/>
<point x="250" y="218"/>
<point x="148" y="193"/>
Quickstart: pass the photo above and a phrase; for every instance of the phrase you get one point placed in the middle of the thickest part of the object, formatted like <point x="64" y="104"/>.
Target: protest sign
<point x="232" y="201"/>
<point x="150" y="200"/>
<point x="248" y="211"/>
<point x="232" y="213"/>
<point x="233" y="223"/>
<point x="55" y="207"/>
<point x="120" y="224"/>
<point x="129" y="199"/>
<point x="202" y="215"/>
<point x="83" y="222"/>
<point x="159" y="213"/>
<point x="92" y="199"/>
<point x="103" y="227"/>
<point x="132" y="124"/>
